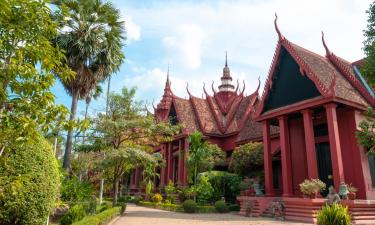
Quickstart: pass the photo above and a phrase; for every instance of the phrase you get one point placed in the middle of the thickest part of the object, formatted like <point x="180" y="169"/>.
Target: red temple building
<point x="317" y="102"/>
<point x="225" y="119"/>
<point x="307" y="117"/>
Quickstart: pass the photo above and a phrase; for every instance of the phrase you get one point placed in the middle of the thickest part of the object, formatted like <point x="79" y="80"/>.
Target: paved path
<point x="136" y="215"/>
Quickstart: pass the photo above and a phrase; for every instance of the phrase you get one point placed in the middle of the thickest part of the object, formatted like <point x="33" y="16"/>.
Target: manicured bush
<point x="169" y="207"/>
<point x="221" y="207"/>
<point x="234" y="208"/>
<point x="333" y="215"/>
<point x="189" y="206"/>
<point x="204" y="190"/>
<point x="100" y="218"/>
<point x="136" y="199"/>
<point x="105" y="206"/>
<point x="157" y="198"/>
<point x="29" y="182"/>
<point x="76" y="213"/>
<point x="124" y="199"/>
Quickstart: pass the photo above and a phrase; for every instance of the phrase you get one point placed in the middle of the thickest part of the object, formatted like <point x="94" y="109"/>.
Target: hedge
<point x="163" y="206"/>
<point x="100" y="218"/>
<point x="29" y="182"/>
<point x="176" y="208"/>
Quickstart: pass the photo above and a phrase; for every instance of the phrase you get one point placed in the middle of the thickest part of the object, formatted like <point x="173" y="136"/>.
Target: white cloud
<point x="196" y="35"/>
<point x="186" y="43"/>
<point x="133" y="30"/>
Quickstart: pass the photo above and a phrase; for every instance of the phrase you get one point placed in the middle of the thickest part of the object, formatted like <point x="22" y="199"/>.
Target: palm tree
<point x="92" y="39"/>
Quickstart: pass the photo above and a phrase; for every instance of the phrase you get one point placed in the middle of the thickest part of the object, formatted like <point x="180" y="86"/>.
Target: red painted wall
<point x="298" y="153"/>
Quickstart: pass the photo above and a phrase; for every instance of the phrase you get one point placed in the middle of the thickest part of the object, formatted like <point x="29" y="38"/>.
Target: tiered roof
<point x="225" y="113"/>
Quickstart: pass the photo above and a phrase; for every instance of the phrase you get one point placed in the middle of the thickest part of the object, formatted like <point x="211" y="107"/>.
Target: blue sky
<point x="192" y="37"/>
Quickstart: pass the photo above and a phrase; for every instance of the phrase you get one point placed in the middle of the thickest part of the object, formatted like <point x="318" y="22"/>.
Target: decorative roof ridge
<point x="338" y="62"/>
<point x="218" y="123"/>
<point x="200" y="122"/>
<point x="232" y="113"/>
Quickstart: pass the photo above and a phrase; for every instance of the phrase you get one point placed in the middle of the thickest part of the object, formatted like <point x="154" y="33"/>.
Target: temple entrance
<point x="323" y="157"/>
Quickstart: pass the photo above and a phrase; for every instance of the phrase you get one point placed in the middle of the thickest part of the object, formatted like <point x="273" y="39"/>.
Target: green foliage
<point x="206" y="209"/>
<point x="157" y="198"/>
<point x="333" y="215"/>
<point x="163" y="206"/>
<point x="185" y="193"/>
<point x="234" y="207"/>
<point x="369" y="47"/>
<point x="204" y="190"/>
<point x="221" y="207"/>
<point x="100" y="218"/>
<point x="366" y="135"/>
<point x="149" y="188"/>
<point x="202" y="156"/>
<point x="76" y="213"/>
<point x="26" y="60"/>
<point x="247" y="157"/>
<point x="29" y="182"/>
<point x="312" y="186"/>
<point x="170" y="189"/>
<point x="190" y="206"/>
<point x="73" y="190"/>
<point x="224" y="184"/>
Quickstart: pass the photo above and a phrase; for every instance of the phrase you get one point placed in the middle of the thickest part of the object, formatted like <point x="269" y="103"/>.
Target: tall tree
<point x="26" y="61"/>
<point x="369" y="47"/>
<point x="92" y="40"/>
<point x="127" y="136"/>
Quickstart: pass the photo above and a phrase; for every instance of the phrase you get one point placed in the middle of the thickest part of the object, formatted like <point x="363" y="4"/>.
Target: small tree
<point x="369" y="47"/>
<point x="202" y="156"/>
<point x="366" y="134"/>
<point x="247" y="158"/>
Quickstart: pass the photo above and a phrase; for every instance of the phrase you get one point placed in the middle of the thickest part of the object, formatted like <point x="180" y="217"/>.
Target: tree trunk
<point x="101" y="191"/>
<point x="115" y="191"/>
<point x="108" y="89"/>
<point x="69" y="140"/>
<point x="86" y="112"/>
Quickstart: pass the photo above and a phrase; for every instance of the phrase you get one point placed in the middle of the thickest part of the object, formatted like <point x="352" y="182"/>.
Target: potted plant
<point x="352" y="191"/>
<point x="311" y="188"/>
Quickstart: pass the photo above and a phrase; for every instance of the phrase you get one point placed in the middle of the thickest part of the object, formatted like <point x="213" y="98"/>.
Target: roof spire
<point x="167" y="82"/>
<point x="226" y="79"/>
<point x="328" y="52"/>
<point x="277" y="28"/>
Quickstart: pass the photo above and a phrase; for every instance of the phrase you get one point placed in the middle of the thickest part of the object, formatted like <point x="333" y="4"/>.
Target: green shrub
<point x="76" y="213"/>
<point x="136" y="199"/>
<point x="224" y="184"/>
<point x="90" y="206"/>
<point x="189" y="206"/>
<point x="170" y="190"/>
<point x="124" y="199"/>
<point x="105" y="206"/>
<point x="100" y="218"/>
<point x="204" y="190"/>
<point x="333" y="215"/>
<point x="157" y="198"/>
<point x="234" y="207"/>
<point x="73" y="190"/>
<point x="29" y="182"/>
<point x="221" y="207"/>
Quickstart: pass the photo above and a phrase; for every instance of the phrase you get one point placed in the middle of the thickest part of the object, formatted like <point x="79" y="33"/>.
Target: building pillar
<point x="180" y="164"/>
<point x="312" y="165"/>
<point x="169" y="163"/>
<point x="186" y="156"/>
<point x="267" y="158"/>
<point x="136" y="178"/>
<point x="286" y="167"/>
<point x="334" y="145"/>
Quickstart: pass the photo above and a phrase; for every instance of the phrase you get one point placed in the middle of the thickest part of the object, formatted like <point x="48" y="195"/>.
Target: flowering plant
<point x="312" y="186"/>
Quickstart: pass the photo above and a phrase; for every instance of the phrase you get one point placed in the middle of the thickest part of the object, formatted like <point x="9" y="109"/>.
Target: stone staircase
<point x="259" y="207"/>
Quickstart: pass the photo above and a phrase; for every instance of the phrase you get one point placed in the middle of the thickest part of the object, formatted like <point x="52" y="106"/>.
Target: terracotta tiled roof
<point x="186" y="114"/>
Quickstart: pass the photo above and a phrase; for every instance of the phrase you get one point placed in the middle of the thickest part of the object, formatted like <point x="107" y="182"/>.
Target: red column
<point x="136" y="179"/>
<point x="180" y="163"/>
<point x="334" y="144"/>
<point x="286" y="167"/>
<point x="312" y="168"/>
<point x="186" y="156"/>
<point x="169" y="163"/>
<point x="267" y="158"/>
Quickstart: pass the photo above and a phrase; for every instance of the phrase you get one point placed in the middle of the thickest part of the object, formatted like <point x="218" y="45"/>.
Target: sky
<point x="192" y="37"/>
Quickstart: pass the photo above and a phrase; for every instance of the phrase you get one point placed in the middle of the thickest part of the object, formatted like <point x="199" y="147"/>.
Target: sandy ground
<point x="136" y="215"/>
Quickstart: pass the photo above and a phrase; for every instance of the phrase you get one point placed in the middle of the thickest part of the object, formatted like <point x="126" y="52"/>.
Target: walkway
<point x="136" y="215"/>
